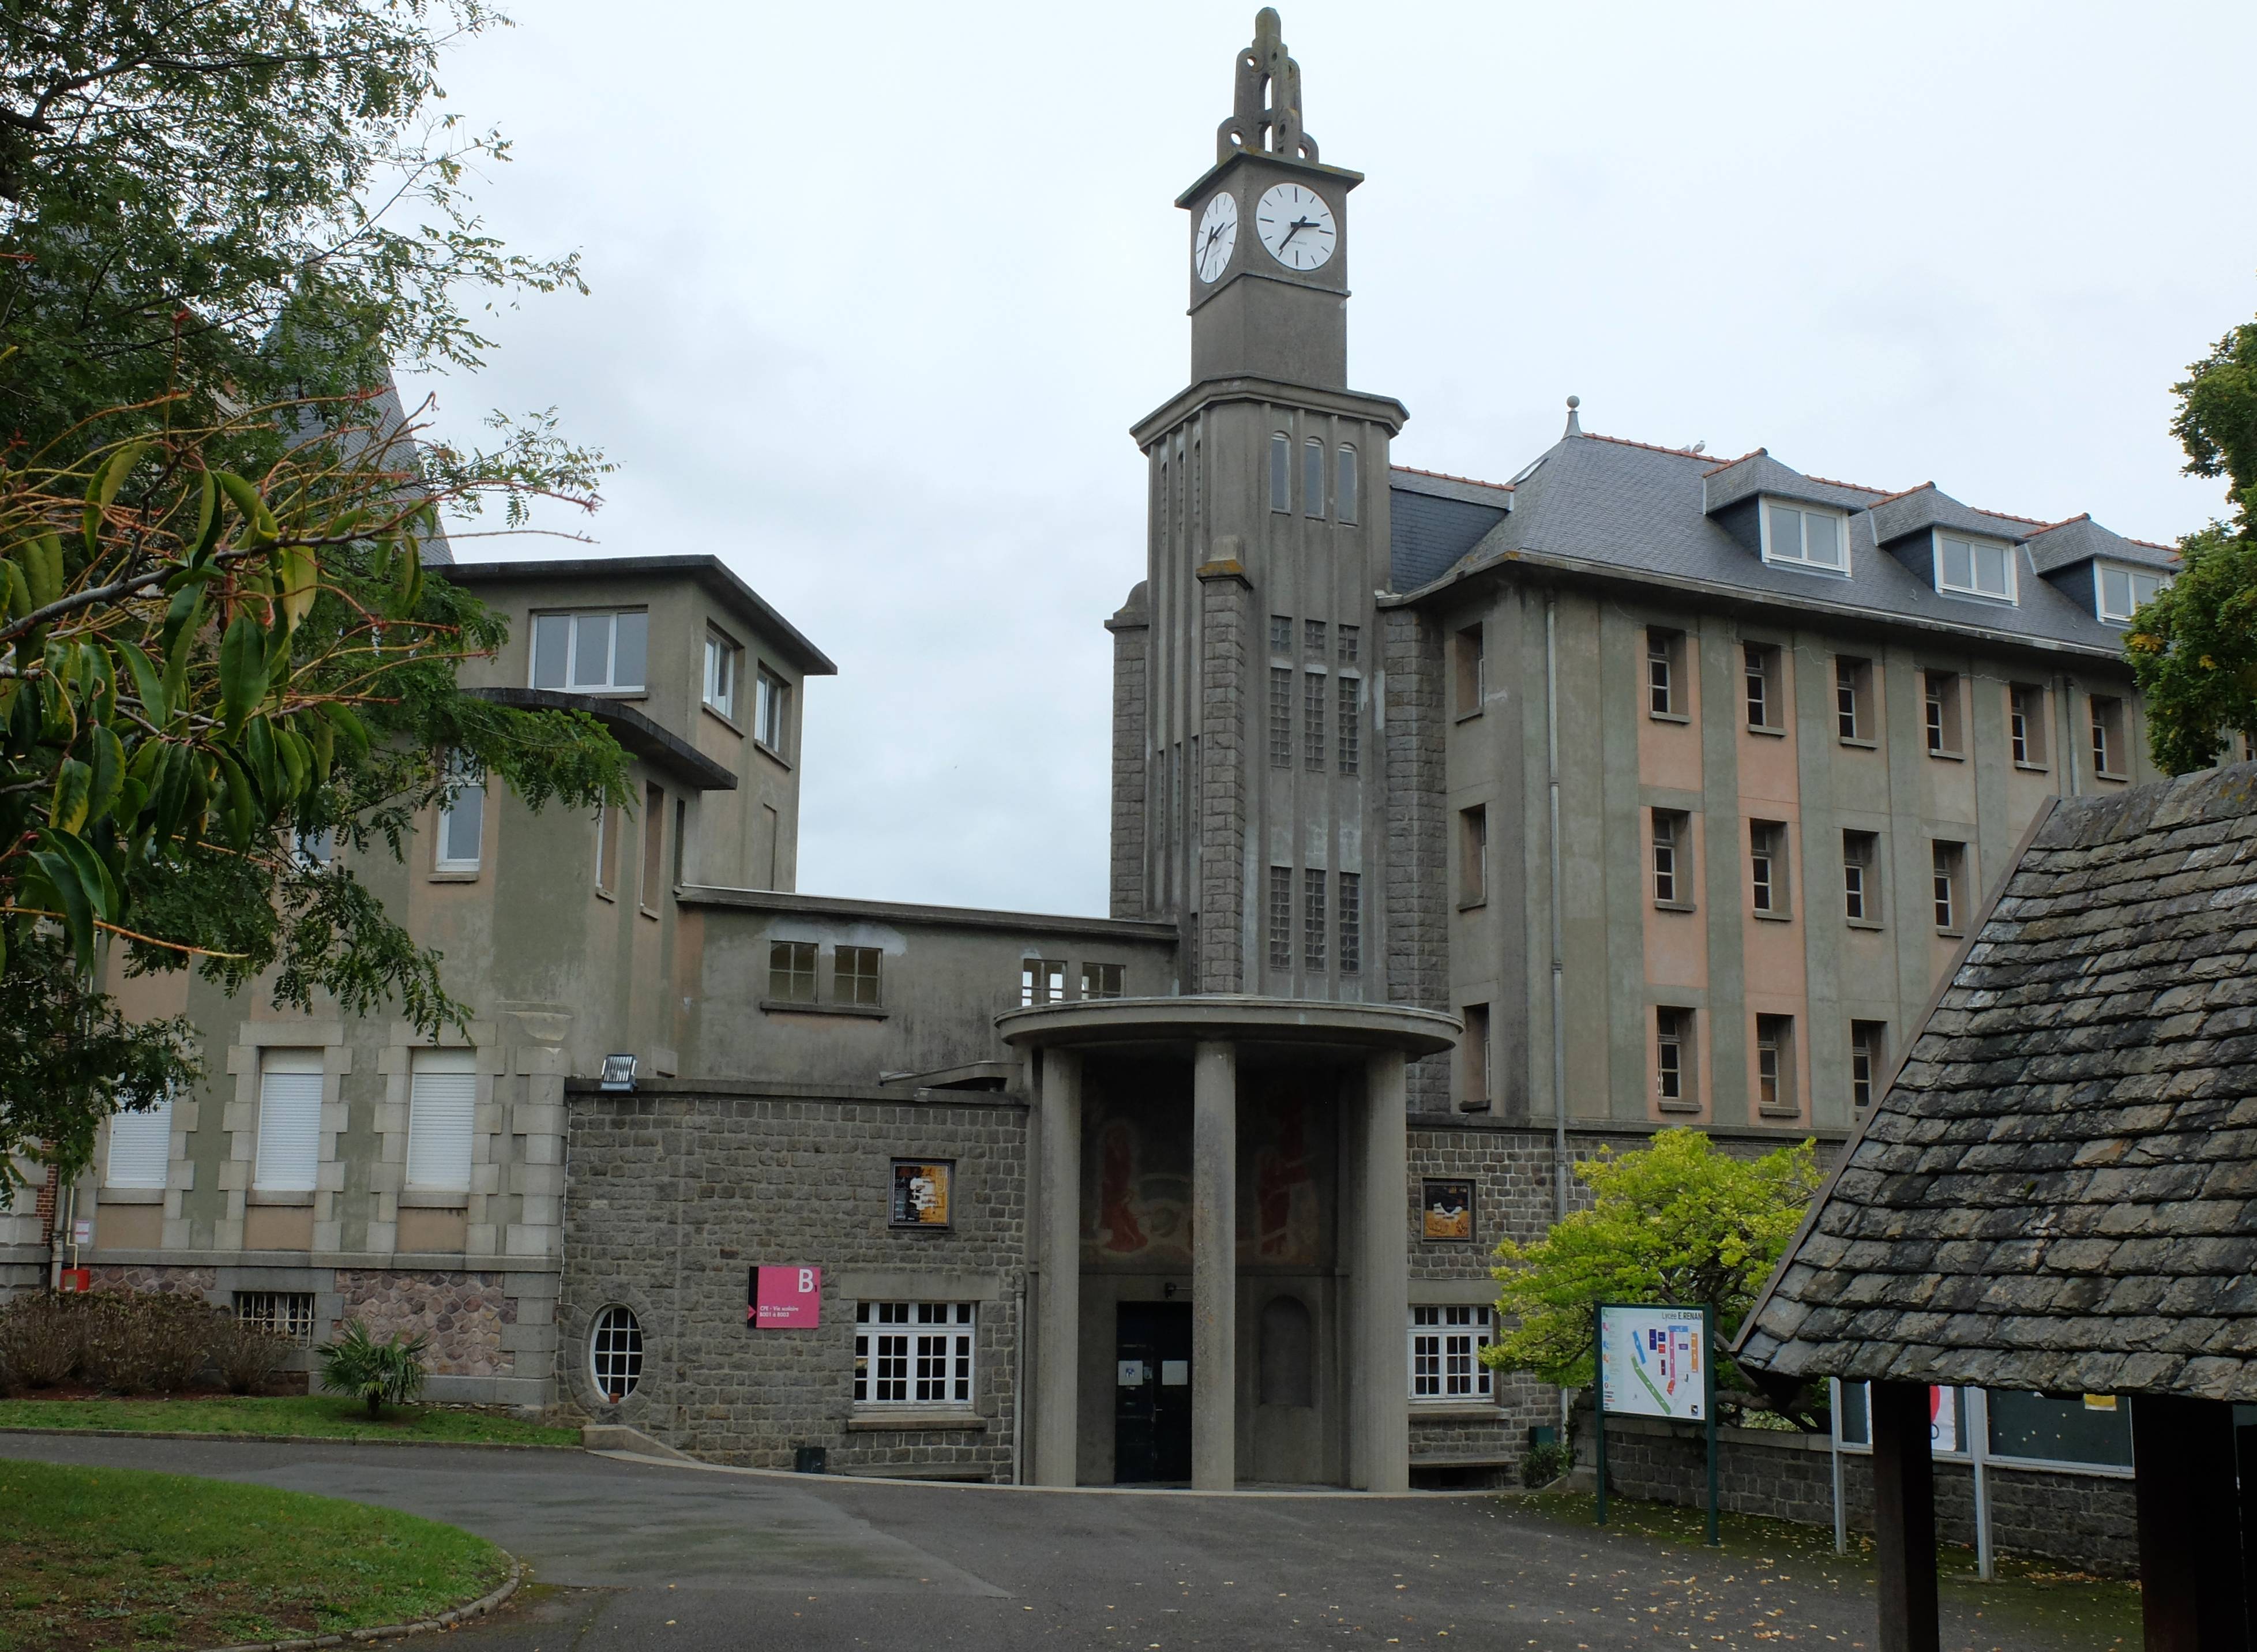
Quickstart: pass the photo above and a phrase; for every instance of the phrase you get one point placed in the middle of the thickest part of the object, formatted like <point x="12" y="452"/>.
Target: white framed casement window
<point x="604" y="651"/>
<point x="1674" y="1084"/>
<point x="1445" y="1343"/>
<point x="2122" y="592"/>
<point x="914" y="1353"/>
<point x="289" y="1121"/>
<point x="725" y="663"/>
<point x="443" y="1095"/>
<point x="771" y="709"/>
<point x="140" y="1146"/>
<point x="1974" y="567"/>
<point x="1805" y="536"/>
<point x="461" y="819"/>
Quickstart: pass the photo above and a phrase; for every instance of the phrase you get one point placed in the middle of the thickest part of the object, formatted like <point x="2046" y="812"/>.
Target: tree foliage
<point x="2194" y="648"/>
<point x="1677" y="1221"/>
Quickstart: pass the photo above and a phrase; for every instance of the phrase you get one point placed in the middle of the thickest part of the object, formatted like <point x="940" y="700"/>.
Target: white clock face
<point x="1217" y="236"/>
<point x="1296" y="226"/>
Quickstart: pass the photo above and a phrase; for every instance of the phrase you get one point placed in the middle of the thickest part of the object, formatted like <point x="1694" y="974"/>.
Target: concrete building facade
<point x="1460" y="830"/>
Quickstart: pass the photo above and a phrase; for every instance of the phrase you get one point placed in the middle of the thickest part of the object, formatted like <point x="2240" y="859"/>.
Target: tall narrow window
<point x="682" y="839"/>
<point x="1672" y="877"/>
<point x="1344" y="486"/>
<point x="1351" y="645"/>
<point x="1314" y="632"/>
<point x="1940" y="704"/>
<point x="1865" y="1056"/>
<point x="610" y="825"/>
<point x="1312" y="478"/>
<point x="1951" y="877"/>
<point x="1281" y="633"/>
<point x="791" y="971"/>
<point x="1281" y="918"/>
<point x="462" y="817"/>
<point x="1041" y="981"/>
<point x="1664" y="659"/>
<point x="1860" y="875"/>
<point x="289" y="1148"/>
<point x="1314" y="924"/>
<point x="771" y="710"/>
<point x="1472" y="671"/>
<point x="443" y="1095"/>
<point x="724" y="662"/>
<point x="2025" y="724"/>
<point x="2109" y="758"/>
<point x="1672" y="1057"/>
<point x="653" y="847"/>
<point x="1767" y="885"/>
<point x="1281" y="480"/>
<point x="1315" y="754"/>
<point x="1472" y="857"/>
<point x="1853" y="687"/>
<point x="140" y="1146"/>
<point x="854" y="975"/>
<point x="1760" y="663"/>
<point x="1351" y="923"/>
<point x="1280" y="717"/>
<point x="1775" y="1064"/>
<point x="1473" y="1062"/>
<point x="1350" y="692"/>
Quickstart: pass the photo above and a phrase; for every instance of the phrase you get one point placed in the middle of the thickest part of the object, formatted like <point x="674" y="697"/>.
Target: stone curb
<point x="288" y="1439"/>
<point x="477" y="1608"/>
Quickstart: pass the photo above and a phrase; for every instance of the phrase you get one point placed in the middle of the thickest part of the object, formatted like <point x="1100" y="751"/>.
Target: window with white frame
<point x="2124" y="592"/>
<point x="288" y="1315"/>
<point x="1974" y="567"/>
<point x="461" y="818"/>
<point x="771" y="710"/>
<point x="1445" y="1343"/>
<point x="914" y="1353"/>
<point x="725" y="662"/>
<point x="442" y="1094"/>
<point x="140" y="1146"/>
<point x="615" y="1353"/>
<point x="1803" y="537"/>
<point x="289" y="1121"/>
<point x="1041" y="981"/>
<point x="599" y="652"/>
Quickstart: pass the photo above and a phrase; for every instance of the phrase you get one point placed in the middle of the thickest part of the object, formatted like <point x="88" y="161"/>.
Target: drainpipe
<point x="1559" y="947"/>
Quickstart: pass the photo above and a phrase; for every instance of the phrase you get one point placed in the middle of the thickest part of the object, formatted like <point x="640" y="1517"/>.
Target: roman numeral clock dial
<point x="1296" y="226"/>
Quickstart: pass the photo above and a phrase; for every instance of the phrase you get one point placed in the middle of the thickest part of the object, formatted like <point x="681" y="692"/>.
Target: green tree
<point x="2194" y="648"/>
<point x="1677" y="1221"/>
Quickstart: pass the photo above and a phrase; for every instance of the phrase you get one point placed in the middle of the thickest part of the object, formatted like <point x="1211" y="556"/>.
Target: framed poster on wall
<point x="1446" y="1210"/>
<point x="920" y="1192"/>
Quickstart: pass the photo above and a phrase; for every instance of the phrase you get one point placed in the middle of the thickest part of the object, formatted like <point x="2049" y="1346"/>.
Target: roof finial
<point x="1274" y="128"/>
<point x="1575" y="424"/>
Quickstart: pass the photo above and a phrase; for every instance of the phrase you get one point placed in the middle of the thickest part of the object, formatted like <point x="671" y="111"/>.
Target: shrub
<point x="381" y="1373"/>
<point x="147" y="1342"/>
<point x="42" y="1338"/>
<point x="1545" y="1463"/>
<point x="247" y="1355"/>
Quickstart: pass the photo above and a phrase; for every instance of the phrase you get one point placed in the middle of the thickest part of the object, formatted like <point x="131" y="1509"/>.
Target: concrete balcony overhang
<point x="1160" y="1026"/>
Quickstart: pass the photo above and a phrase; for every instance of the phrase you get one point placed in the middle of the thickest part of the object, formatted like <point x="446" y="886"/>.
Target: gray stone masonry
<point x="676" y="1196"/>
<point x="1225" y="595"/>
<point x="2086" y="1519"/>
<point x="1132" y="634"/>
<point x="1416" y="924"/>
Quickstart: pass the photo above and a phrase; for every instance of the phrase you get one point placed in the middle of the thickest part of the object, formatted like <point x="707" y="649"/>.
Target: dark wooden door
<point x="1152" y="1393"/>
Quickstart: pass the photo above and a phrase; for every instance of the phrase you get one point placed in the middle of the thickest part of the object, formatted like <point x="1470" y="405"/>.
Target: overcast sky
<point x="878" y="291"/>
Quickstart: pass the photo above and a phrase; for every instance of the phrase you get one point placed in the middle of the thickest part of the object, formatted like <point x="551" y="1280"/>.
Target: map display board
<point x="1653" y="1362"/>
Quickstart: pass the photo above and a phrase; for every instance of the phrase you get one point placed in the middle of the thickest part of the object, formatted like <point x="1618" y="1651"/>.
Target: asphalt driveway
<point x="635" y="1555"/>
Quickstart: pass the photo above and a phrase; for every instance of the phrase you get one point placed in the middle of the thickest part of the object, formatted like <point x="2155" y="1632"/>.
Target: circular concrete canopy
<point x="1181" y="1023"/>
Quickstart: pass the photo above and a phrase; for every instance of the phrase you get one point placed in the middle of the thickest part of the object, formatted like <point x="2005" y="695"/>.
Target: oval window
<point x="615" y="1353"/>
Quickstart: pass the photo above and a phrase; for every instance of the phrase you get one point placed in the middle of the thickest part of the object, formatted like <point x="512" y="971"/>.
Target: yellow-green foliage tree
<point x="1677" y="1221"/>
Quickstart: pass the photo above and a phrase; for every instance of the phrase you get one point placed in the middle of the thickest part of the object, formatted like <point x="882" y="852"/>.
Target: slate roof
<point x="2080" y="539"/>
<point x="2059" y="1191"/>
<point x="1604" y="504"/>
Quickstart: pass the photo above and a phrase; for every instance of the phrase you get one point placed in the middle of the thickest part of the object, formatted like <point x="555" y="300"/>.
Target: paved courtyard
<point x="634" y="1555"/>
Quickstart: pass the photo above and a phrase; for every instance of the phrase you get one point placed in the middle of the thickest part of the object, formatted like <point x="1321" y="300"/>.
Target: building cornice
<point x="1348" y="404"/>
<point x="842" y="908"/>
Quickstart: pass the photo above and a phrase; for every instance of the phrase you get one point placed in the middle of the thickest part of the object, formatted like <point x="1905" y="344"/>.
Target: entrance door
<point x="1152" y="1392"/>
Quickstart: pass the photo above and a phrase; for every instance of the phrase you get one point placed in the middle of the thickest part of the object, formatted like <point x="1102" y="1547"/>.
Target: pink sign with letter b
<point x="785" y="1299"/>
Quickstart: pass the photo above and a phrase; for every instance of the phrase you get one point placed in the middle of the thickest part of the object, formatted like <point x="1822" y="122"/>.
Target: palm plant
<point x="387" y="1372"/>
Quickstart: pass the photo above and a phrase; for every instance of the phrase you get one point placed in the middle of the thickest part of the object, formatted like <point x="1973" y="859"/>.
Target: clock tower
<point x="1250" y="767"/>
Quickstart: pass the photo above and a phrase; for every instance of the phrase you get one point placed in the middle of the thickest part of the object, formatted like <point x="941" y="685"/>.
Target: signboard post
<point x="1656" y="1361"/>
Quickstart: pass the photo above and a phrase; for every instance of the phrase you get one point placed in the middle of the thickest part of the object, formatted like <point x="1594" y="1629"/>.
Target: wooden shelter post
<point x="2192" y="1594"/>
<point x="1904" y="1517"/>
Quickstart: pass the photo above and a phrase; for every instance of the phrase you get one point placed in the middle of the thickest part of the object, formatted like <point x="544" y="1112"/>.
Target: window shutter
<point x="441" y="1105"/>
<point x="289" y="1121"/>
<point x="141" y="1146"/>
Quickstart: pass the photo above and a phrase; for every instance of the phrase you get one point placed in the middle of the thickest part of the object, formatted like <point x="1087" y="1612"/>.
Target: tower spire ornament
<point x="1264" y="69"/>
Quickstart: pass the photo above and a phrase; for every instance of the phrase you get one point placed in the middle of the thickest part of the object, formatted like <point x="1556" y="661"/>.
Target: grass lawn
<point x="100" y="1560"/>
<point x="316" y="1417"/>
<point x="2026" y="1594"/>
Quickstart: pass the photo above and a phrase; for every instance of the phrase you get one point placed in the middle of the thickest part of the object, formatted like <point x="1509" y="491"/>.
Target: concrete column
<point x="1380" y="1385"/>
<point x="1214" y="1267"/>
<point x="1058" y="1312"/>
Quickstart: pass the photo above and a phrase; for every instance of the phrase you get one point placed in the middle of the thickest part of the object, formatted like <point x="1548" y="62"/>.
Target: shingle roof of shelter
<point x="2059" y="1191"/>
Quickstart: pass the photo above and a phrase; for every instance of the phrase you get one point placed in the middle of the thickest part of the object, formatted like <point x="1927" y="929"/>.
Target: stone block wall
<point x="465" y="1316"/>
<point x="2084" y="1519"/>
<point x="676" y="1196"/>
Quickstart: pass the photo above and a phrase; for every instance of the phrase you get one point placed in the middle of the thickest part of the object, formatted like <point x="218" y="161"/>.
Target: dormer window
<point x="2124" y="592"/>
<point x="1974" y="567"/>
<point x="1802" y="537"/>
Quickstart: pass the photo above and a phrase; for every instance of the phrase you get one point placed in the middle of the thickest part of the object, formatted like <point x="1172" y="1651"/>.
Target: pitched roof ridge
<point x="1855" y="487"/>
<point x="1444" y="476"/>
<point x="1752" y="453"/>
<point x="2009" y="516"/>
<point x="1903" y="493"/>
<point x="1651" y="447"/>
<point x="2081" y="516"/>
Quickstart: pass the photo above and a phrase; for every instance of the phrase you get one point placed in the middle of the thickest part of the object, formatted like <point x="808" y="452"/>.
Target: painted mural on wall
<point x="1136" y="1204"/>
<point x="1281" y="1195"/>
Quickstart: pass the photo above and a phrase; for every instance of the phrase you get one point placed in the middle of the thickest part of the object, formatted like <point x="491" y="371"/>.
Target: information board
<point x="1654" y="1362"/>
<point x="785" y="1299"/>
